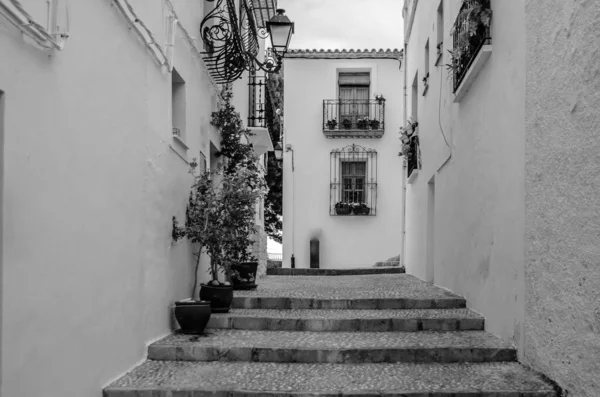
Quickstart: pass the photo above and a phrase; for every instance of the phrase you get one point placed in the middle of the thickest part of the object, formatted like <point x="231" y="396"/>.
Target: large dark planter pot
<point x="192" y="316"/>
<point x="247" y="275"/>
<point x="220" y="297"/>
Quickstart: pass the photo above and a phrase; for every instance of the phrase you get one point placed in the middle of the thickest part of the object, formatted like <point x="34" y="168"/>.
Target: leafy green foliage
<point x="221" y="215"/>
<point x="474" y="18"/>
<point x="274" y="199"/>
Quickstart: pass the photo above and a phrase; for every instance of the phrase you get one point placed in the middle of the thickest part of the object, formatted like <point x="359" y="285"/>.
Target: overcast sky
<point x="331" y="24"/>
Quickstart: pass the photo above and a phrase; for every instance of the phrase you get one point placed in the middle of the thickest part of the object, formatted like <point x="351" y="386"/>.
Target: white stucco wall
<point x="478" y="226"/>
<point x="345" y="241"/>
<point x="91" y="183"/>
<point x="562" y="273"/>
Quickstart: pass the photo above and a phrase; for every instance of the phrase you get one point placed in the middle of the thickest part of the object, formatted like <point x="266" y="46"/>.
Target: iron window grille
<point x="257" y="99"/>
<point x="413" y="157"/>
<point x="469" y="36"/>
<point x="353" y="181"/>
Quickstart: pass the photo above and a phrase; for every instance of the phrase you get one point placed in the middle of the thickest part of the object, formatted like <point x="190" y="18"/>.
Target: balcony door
<point x="354" y="97"/>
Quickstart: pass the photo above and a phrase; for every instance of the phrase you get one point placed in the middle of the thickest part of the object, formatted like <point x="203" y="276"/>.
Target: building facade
<point x="103" y="104"/>
<point x="499" y="207"/>
<point x="342" y="182"/>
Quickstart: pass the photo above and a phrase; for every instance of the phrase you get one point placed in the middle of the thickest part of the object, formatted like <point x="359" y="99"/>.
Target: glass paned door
<point x="354" y="98"/>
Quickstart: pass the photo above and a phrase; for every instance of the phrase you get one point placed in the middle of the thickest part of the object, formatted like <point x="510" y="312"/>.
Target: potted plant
<point x="374" y="124"/>
<point x="361" y="209"/>
<point x="220" y="216"/>
<point x="331" y="124"/>
<point x="347" y="124"/>
<point x="406" y="134"/>
<point x="362" y="123"/>
<point x="380" y="98"/>
<point x="342" y="208"/>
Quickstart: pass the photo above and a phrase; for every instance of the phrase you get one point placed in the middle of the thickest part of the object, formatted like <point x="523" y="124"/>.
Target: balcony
<point x="353" y="118"/>
<point x="472" y="44"/>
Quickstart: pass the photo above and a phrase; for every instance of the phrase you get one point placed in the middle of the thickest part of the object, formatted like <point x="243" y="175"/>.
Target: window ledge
<point x="413" y="175"/>
<point x="180" y="148"/>
<point x="353" y="133"/>
<point x="180" y="142"/>
<point x="484" y="54"/>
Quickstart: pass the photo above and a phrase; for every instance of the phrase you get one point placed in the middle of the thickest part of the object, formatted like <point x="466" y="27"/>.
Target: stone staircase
<point x="344" y="335"/>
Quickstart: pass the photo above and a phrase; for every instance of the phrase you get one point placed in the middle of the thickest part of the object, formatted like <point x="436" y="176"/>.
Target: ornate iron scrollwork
<point x="231" y="45"/>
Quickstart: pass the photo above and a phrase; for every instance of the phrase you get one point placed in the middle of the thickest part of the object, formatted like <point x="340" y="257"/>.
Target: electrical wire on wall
<point x="440" y="112"/>
<point x="16" y="14"/>
<point x="192" y="42"/>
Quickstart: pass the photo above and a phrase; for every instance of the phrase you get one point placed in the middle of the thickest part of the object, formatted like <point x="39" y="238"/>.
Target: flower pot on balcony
<point x="343" y="211"/>
<point x="347" y="124"/>
<point x="374" y="124"/>
<point x="362" y="124"/>
<point x="361" y="210"/>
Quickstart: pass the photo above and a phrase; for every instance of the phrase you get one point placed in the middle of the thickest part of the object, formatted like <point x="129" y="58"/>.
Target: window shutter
<point x="354" y="79"/>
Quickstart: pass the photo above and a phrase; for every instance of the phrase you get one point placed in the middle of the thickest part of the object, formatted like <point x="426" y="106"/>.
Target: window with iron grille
<point x="353" y="181"/>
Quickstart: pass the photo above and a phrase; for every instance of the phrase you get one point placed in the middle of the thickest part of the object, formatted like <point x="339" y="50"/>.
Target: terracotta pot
<point x="247" y="275"/>
<point x="219" y="296"/>
<point x="192" y="316"/>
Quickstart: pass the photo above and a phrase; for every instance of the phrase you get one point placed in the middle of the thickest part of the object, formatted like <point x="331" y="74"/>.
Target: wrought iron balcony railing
<point x="353" y="118"/>
<point x="471" y="32"/>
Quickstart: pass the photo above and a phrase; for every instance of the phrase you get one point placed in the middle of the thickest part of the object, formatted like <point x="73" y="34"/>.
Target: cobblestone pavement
<point x="333" y="340"/>
<point x="336" y="336"/>
<point x="336" y="379"/>
<point x="333" y="347"/>
<point x="331" y="314"/>
<point x="377" y="286"/>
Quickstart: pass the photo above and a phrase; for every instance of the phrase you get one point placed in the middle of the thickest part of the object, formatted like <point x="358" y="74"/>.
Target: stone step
<point x="378" y="291"/>
<point x="265" y="302"/>
<point x="333" y="347"/>
<point x="335" y="272"/>
<point x="244" y="379"/>
<point x="349" y="320"/>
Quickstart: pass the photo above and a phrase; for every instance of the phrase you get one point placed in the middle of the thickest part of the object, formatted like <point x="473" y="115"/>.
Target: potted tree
<point x="220" y="218"/>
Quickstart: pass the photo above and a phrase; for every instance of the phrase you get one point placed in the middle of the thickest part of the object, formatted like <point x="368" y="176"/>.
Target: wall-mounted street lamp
<point x="278" y="151"/>
<point x="231" y="44"/>
<point x="280" y="30"/>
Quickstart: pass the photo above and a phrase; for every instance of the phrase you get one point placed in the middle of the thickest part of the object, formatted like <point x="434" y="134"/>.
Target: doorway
<point x="354" y="97"/>
<point x="430" y="230"/>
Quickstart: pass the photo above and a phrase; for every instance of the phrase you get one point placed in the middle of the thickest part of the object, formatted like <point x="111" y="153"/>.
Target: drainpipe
<point x="403" y="226"/>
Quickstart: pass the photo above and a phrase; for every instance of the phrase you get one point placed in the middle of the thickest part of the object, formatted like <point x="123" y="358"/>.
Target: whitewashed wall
<point x="92" y="179"/>
<point x="478" y="222"/>
<point x="345" y="241"/>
